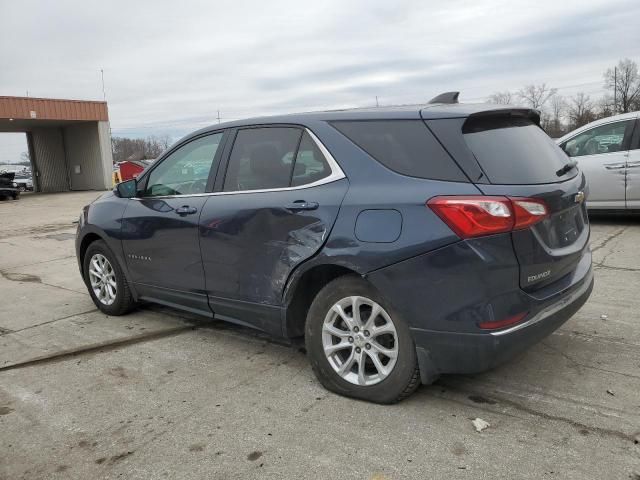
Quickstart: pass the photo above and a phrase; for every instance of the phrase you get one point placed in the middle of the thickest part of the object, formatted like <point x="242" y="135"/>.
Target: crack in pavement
<point x="611" y="267"/>
<point x="609" y="239"/>
<point x="27" y="277"/>
<point x="101" y="346"/>
<point x="38" y="229"/>
<point x="52" y="321"/>
<point x="531" y="411"/>
<point x="578" y="364"/>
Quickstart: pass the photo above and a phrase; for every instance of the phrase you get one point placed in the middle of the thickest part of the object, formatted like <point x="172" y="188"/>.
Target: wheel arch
<point x="303" y="288"/>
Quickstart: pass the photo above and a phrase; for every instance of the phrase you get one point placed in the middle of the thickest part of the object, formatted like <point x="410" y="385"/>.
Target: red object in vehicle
<point x="131" y="169"/>
<point x="478" y="215"/>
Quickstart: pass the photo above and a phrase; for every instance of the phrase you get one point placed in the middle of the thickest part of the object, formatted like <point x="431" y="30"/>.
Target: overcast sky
<point x="170" y="66"/>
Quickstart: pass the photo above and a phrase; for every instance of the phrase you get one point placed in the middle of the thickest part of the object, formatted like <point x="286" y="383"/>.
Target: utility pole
<point x="615" y="90"/>
<point x="218" y="116"/>
<point x="377" y="104"/>
<point x="104" y="95"/>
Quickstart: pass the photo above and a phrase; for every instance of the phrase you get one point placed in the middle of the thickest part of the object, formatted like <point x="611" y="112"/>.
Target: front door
<point x="280" y="197"/>
<point x="602" y="153"/>
<point x="160" y="226"/>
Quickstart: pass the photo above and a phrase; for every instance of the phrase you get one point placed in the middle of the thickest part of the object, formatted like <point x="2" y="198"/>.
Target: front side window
<point x="603" y="139"/>
<point x="262" y="158"/>
<point x="186" y="170"/>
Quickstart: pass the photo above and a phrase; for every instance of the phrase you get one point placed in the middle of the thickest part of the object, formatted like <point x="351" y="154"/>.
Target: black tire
<point x="403" y="379"/>
<point x="14" y="196"/>
<point x="124" y="301"/>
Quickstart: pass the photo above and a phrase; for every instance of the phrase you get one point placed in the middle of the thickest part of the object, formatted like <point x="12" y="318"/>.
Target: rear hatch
<point x="513" y="157"/>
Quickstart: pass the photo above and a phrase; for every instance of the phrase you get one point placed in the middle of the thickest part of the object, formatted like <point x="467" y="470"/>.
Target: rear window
<point x="513" y="150"/>
<point x="404" y="146"/>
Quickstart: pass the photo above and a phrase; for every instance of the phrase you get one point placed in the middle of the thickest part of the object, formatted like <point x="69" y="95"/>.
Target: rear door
<point x="601" y="153"/>
<point x="633" y="170"/>
<point x="518" y="159"/>
<point x="274" y="209"/>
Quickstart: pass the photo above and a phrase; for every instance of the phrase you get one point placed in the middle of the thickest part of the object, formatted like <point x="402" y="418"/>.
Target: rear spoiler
<point x="498" y="118"/>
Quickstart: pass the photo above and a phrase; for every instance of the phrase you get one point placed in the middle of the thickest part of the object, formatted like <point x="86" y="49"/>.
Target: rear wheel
<point x="358" y="346"/>
<point x="105" y="280"/>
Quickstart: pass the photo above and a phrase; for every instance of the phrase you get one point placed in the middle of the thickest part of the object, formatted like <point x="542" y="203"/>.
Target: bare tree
<point x="605" y="107"/>
<point x="581" y="110"/>
<point x="555" y="126"/>
<point x="139" y="148"/>
<point x="501" y="98"/>
<point x="536" y="95"/>
<point x="624" y="82"/>
<point x="25" y="157"/>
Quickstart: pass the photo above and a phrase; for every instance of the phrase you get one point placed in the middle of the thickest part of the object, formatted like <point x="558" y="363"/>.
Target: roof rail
<point x="447" y="97"/>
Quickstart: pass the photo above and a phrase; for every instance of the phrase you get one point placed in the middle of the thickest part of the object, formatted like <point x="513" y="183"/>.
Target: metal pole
<point x="104" y="95"/>
<point x="377" y="105"/>
<point x="218" y="116"/>
<point x="615" y="90"/>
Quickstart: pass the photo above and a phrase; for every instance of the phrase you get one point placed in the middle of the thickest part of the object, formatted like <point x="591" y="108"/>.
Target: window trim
<point x="336" y="172"/>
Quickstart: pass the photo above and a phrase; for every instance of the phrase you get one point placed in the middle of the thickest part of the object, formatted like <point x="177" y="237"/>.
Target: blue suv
<point x="402" y="243"/>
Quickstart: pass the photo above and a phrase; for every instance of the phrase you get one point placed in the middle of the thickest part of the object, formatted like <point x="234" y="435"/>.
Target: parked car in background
<point x="8" y="187"/>
<point x="608" y="152"/>
<point x="24" y="182"/>
<point x="402" y="243"/>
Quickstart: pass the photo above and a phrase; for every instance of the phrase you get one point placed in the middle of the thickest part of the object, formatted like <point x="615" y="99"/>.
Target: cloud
<point x="169" y="67"/>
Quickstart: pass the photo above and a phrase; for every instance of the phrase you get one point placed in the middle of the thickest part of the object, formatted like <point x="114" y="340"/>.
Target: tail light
<point x="478" y="215"/>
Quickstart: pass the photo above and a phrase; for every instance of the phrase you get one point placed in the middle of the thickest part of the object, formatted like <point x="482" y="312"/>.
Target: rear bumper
<point x="452" y="352"/>
<point x="445" y="294"/>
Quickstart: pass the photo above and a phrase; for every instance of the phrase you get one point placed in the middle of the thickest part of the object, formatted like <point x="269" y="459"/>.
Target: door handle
<point x="186" y="210"/>
<point x="301" y="205"/>
<point x="615" y="166"/>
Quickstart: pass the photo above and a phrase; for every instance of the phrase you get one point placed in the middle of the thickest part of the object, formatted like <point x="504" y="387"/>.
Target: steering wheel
<point x="198" y="186"/>
<point x="591" y="148"/>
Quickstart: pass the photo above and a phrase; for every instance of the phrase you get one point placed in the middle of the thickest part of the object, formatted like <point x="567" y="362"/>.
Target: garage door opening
<point x="68" y="141"/>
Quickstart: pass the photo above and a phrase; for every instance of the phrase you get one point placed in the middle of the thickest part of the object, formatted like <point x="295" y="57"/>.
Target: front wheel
<point x="358" y="346"/>
<point x="105" y="280"/>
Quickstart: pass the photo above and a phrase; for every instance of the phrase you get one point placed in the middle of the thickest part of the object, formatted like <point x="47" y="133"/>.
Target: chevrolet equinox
<point x="401" y="243"/>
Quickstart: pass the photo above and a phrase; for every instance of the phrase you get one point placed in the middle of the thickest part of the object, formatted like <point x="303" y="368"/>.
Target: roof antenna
<point x="447" y="97"/>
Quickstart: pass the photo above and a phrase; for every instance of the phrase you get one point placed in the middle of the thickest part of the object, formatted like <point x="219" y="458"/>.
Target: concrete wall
<point x="88" y="158"/>
<point x="51" y="174"/>
<point x="73" y="157"/>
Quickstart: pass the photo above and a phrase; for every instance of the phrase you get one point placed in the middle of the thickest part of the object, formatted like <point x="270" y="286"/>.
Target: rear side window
<point x="262" y="158"/>
<point x="513" y="150"/>
<point x="404" y="146"/>
<point x="311" y="165"/>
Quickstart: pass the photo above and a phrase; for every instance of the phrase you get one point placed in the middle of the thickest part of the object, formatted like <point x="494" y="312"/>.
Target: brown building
<point x="69" y="141"/>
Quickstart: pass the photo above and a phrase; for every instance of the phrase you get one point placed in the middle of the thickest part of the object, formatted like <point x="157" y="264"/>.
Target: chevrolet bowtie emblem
<point x="579" y="198"/>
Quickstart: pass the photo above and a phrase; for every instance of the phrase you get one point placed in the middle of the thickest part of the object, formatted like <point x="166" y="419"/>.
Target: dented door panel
<point x="251" y="242"/>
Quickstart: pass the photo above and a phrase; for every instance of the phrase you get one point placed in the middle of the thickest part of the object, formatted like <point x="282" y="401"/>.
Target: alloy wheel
<point x="103" y="279"/>
<point x="360" y="341"/>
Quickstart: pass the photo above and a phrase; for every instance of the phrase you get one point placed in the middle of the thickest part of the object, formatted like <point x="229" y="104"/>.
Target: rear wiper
<point x="571" y="164"/>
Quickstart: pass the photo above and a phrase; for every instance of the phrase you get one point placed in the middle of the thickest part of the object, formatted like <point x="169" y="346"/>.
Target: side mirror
<point x="127" y="189"/>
